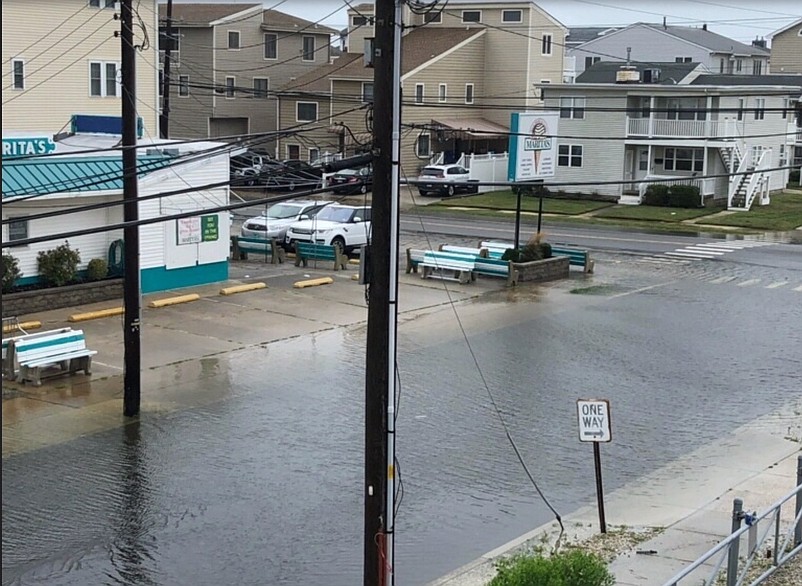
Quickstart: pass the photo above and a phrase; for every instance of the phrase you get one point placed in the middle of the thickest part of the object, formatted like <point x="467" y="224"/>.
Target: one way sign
<point x="594" y="420"/>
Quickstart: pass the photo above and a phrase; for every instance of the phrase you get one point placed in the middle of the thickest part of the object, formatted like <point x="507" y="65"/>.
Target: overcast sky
<point x="742" y="20"/>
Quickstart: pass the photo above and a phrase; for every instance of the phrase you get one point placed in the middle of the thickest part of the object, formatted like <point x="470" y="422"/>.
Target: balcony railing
<point x="661" y="127"/>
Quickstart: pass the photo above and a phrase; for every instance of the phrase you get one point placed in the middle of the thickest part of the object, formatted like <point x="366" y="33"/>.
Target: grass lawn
<point x="784" y="213"/>
<point x="654" y="213"/>
<point x="506" y="200"/>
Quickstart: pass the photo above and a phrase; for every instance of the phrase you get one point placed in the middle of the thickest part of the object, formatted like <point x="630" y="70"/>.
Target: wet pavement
<point x="246" y="466"/>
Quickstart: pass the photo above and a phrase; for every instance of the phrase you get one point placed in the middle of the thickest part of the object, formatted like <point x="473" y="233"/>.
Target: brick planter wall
<point x="28" y="302"/>
<point x="548" y="269"/>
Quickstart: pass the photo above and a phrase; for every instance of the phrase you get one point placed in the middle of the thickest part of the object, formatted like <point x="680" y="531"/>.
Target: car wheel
<point x="450" y="190"/>
<point x="339" y="241"/>
<point x="363" y="189"/>
<point x="423" y="193"/>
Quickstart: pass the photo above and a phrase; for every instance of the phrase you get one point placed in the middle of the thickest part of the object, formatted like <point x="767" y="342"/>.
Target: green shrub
<point x="97" y="269"/>
<point x="11" y="272"/>
<point x="571" y="568"/>
<point x="535" y="249"/>
<point x="683" y="196"/>
<point x="793" y="177"/>
<point x="58" y="266"/>
<point x="656" y="195"/>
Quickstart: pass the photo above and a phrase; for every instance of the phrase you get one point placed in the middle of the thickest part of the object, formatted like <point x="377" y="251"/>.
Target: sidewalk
<point x="689" y="501"/>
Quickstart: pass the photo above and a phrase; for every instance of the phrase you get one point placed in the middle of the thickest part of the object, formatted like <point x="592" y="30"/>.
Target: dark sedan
<point x="351" y="181"/>
<point x="290" y="175"/>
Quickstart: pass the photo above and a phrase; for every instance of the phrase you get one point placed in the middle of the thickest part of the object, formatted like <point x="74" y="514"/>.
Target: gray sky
<point x="742" y="20"/>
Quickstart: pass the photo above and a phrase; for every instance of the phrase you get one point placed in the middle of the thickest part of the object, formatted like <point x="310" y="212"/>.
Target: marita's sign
<point x="19" y="147"/>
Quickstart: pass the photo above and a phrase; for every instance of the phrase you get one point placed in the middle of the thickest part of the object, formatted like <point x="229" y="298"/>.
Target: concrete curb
<point x="26" y="325"/>
<point x="313" y="282"/>
<point x="174" y="300"/>
<point x="242" y="288"/>
<point x="96" y="314"/>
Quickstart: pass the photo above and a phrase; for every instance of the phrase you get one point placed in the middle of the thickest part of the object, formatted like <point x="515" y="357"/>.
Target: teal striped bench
<point x="495" y="267"/>
<point x="306" y="251"/>
<point x="242" y="245"/>
<point x="576" y="256"/>
<point x="448" y="265"/>
<point x="66" y="350"/>
<point x="414" y="258"/>
<point x="10" y="362"/>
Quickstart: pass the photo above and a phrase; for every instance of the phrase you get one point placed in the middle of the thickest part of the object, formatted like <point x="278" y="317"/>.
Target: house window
<point x="757" y="67"/>
<point x="435" y="16"/>
<point x="511" y="16"/>
<point x="17" y="230"/>
<point x="367" y="92"/>
<point x="721" y="66"/>
<point x="231" y="83"/>
<point x="306" y="112"/>
<point x="786" y="107"/>
<point x="469" y="93"/>
<point x="233" y="40"/>
<point x="589" y="61"/>
<point x="261" y="85"/>
<point x="103" y="3"/>
<point x="442" y="92"/>
<point x="423" y="146"/>
<point x="169" y="41"/>
<point x="271" y="46"/>
<point x="471" y="16"/>
<point x="569" y="155"/>
<point x="418" y="93"/>
<point x="293" y="151"/>
<point x="760" y="108"/>
<point x="183" y="85"/>
<point x="18" y="71"/>
<point x="683" y="159"/>
<point x="572" y="108"/>
<point x="314" y="155"/>
<point x="741" y="108"/>
<point x="309" y="49"/>
<point x="545" y="44"/>
<point x="103" y="79"/>
<point x="682" y="59"/>
<point x="161" y="82"/>
<point x="359" y="20"/>
<point x="739" y="65"/>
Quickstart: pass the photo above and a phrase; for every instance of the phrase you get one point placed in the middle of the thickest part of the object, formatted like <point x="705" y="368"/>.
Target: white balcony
<point x="663" y="128"/>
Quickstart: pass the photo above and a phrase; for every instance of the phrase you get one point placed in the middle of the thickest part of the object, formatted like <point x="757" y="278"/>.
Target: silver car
<point x="274" y="221"/>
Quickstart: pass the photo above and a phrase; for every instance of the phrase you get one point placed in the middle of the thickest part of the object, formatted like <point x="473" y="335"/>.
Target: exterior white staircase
<point x="749" y="178"/>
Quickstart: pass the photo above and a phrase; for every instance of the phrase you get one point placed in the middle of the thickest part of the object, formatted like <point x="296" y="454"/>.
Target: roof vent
<point x="627" y="74"/>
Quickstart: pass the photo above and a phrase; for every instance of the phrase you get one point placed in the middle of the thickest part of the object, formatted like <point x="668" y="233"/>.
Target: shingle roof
<point x="280" y="20"/>
<point x="786" y="79"/>
<point x="417" y="48"/>
<point x="605" y="71"/>
<point x="583" y="34"/>
<point x="709" y="40"/>
<point x="201" y="14"/>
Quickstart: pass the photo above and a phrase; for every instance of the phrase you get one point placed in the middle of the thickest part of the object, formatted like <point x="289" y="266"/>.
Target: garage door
<point x="227" y="127"/>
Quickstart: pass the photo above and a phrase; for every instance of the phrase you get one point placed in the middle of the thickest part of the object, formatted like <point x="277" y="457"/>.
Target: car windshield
<point x="431" y="172"/>
<point x="348" y="172"/>
<point x="336" y="214"/>
<point x="282" y="211"/>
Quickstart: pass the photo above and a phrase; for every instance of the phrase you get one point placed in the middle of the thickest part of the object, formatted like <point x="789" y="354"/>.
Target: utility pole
<point x="382" y="307"/>
<point x="164" y="117"/>
<point x="131" y="292"/>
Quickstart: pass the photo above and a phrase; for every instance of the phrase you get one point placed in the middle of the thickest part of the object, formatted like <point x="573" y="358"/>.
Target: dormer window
<point x="471" y="16"/>
<point x="359" y="20"/>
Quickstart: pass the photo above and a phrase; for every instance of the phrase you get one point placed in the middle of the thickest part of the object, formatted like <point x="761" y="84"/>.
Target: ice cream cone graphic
<point x="539" y="132"/>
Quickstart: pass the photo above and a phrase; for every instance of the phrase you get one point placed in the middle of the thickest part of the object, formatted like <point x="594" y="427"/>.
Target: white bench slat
<point x="59" y="358"/>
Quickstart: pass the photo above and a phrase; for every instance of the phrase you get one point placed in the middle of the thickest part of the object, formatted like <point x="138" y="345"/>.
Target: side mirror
<point x="303" y="217"/>
<point x="357" y="220"/>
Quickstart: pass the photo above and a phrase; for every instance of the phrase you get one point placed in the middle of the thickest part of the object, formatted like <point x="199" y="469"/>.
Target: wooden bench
<point x="414" y="258"/>
<point x="242" y="245"/>
<point x="306" y="251"/>
<point x="64" y="349"/>
<point x="495" y="267"/>
<point x="576" y="257"/>
<point x="10" y="362"/>
<point x="448" y="265"/>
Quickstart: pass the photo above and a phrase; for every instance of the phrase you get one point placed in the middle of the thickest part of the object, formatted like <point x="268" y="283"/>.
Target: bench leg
<point x="83" y="363"/>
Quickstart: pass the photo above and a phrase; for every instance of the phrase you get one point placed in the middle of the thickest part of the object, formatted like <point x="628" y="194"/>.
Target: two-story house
<point x="227" y="59"/>
<point x="786" y="49"/>
<point x="465" y="69"/>
<point x="641" y="123"/>
<point x="62" y="168"/>
<point x="647" y="42"/>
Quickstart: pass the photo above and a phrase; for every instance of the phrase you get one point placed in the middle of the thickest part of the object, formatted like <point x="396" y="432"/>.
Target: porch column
<point x="651" y="121"/>
<point x="704" y="175"/>
<point x="709" y="120"/>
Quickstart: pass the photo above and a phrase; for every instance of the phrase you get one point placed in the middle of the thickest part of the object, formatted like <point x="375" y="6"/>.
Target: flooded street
<point x="260" y="481"/>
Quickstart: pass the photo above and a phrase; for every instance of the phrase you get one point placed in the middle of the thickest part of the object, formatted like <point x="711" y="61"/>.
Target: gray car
<point x="274" y="221"/>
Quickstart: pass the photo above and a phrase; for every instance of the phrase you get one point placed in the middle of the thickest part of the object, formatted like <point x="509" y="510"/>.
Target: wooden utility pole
<point x="164" y="117"/>
<point x="131" y="288"/>
<point x="380" y="362"/>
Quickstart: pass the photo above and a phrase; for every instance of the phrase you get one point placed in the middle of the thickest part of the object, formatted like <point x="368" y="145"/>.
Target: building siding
<point x="786" y="51"/>
<point x="57" y="63"/>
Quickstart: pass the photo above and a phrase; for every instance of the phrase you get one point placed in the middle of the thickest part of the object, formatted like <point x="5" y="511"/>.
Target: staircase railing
<point x="739" y="176"/>
<point x="758" y="180"/>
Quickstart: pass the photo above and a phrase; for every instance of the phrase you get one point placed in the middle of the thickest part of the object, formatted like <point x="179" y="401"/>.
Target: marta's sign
<point x="20" y="147"/>
<point x="533" y="148"/>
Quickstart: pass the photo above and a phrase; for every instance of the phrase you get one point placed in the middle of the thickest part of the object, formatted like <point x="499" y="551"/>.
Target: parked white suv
<point x="348" y="226"/>
<point x="275" y="220"/>
<point x="444" y="180"/>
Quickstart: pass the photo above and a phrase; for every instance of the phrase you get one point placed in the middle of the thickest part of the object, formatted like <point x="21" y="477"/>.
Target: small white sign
<point x="594" y="420"/>
<point x="189" y="230"/>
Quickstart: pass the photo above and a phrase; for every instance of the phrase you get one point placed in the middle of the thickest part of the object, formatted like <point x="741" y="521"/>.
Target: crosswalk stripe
<point x="720" y="280"/>
<point x="748" y="282"/>
<point x="698" y="248"/>
<point x="776" y="285"/>
<point x="687" y="254"/>
<point x="798" y="288"/>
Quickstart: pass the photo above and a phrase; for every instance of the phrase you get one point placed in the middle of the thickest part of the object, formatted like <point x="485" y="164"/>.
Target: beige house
<point x="61" y="58"/>
<point x="464" y="71"/>
<point x="786" y="49"/>
<point x="226" y="60"/>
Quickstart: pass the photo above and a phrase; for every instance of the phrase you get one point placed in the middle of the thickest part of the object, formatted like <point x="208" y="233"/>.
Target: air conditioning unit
<point x="627" y="74"/>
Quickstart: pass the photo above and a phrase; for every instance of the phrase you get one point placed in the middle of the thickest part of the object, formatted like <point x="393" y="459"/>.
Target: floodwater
<point x="264" y="484"/>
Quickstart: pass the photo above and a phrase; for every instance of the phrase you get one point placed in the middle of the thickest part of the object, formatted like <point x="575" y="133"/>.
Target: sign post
<point x="594" y="426"/>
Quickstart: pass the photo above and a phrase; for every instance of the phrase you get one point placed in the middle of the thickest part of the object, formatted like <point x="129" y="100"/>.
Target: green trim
<point x="162" y="279"/>
<point x="23" y="346"/>
<point x="512" y="161"/>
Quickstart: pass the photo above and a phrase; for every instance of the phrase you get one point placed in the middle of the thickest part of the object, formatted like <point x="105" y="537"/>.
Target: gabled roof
<point x="782" y="79"/>
<point x="275" y="20"/>
<point x="28" y="177"/>
<point x="418" y="47"/>
<point x="670" y="73"/>
<point x="787" y="27"/>
<point x="202" y="15"/>
<point x="582" y="34"/>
